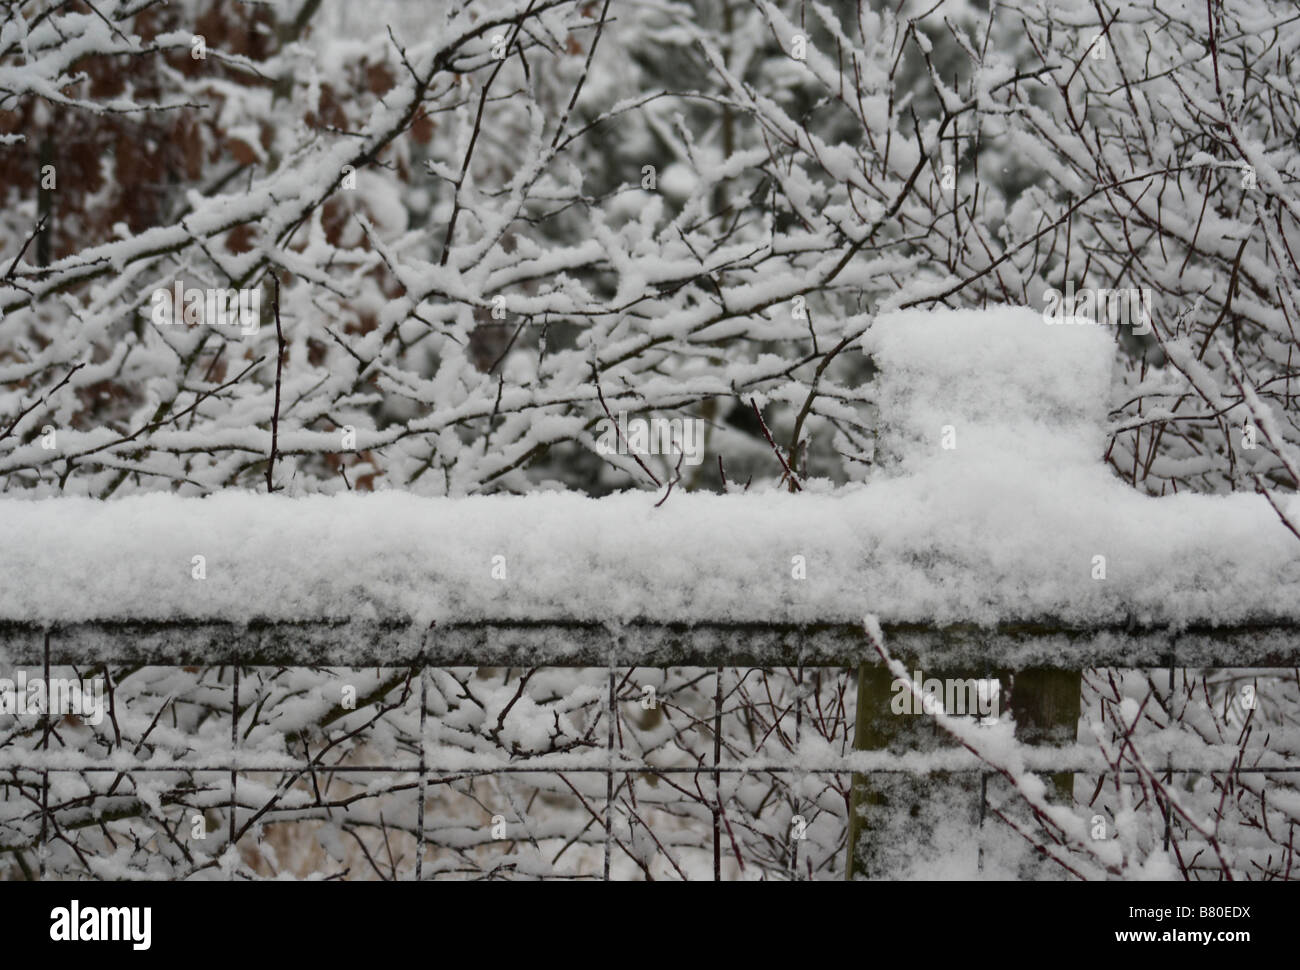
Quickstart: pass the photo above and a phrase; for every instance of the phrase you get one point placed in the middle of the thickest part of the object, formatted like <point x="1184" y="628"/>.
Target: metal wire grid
<point x="1045" y="760"/>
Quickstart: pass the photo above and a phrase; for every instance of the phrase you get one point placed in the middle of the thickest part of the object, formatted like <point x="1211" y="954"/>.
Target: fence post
<point x="234" y="747"/>
<point x="1045" y="705"/>
<point x="887" y="813"/>
<point x="611" y="714"/>
<point x="869" y="734"/>
<point x="424" y="773"/>
<point x="45" y="775"/>
<point x="893" y="815"/>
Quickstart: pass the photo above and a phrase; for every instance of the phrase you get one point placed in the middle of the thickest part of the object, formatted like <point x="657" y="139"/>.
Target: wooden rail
<point x="1011" y="646"/>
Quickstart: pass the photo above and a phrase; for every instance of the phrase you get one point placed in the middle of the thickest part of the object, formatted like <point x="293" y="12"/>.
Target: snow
<point x="1005" y="526"/>
<point x="1017" y="391"/>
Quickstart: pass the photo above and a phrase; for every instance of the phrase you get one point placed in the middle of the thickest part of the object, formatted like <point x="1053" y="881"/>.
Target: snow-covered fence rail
<point x="993" y="534"/>
<point x="994" y="543"/>
<point x="1012" y="646"/>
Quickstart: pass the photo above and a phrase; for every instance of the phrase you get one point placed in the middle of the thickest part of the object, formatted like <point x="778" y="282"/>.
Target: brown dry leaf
<point x="241" y="151"/>
<point x="379" y="78"/>
<point x="240" y="239"/>
<point x="422" y="128"/>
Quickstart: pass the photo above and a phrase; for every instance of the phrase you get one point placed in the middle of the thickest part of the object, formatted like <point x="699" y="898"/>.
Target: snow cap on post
<point x="990" y="388"/>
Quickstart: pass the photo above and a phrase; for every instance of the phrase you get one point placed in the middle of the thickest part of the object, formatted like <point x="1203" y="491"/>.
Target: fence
<point x="994" y="548"/>
<point x="1027" y="651"/>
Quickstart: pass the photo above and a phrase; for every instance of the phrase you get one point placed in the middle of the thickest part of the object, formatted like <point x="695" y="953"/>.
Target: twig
<point x="40" y="227"/>
<point x="26" y="411"/>
<point x="794" y="481"/>
<point x="677" y="477"/>
<point x="595" y="376"/>
<point x="279" y="367"/>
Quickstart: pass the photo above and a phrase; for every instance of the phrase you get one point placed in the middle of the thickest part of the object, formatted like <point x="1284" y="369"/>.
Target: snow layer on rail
<point x="993" y="505"/>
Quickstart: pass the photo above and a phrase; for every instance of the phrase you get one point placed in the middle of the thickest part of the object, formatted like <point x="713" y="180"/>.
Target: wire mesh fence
<point x="618" y="772"/>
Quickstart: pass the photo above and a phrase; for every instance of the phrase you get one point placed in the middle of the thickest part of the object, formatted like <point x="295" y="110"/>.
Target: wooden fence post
<point x="893" y="816"/>
<point x="1045" y="704"/>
